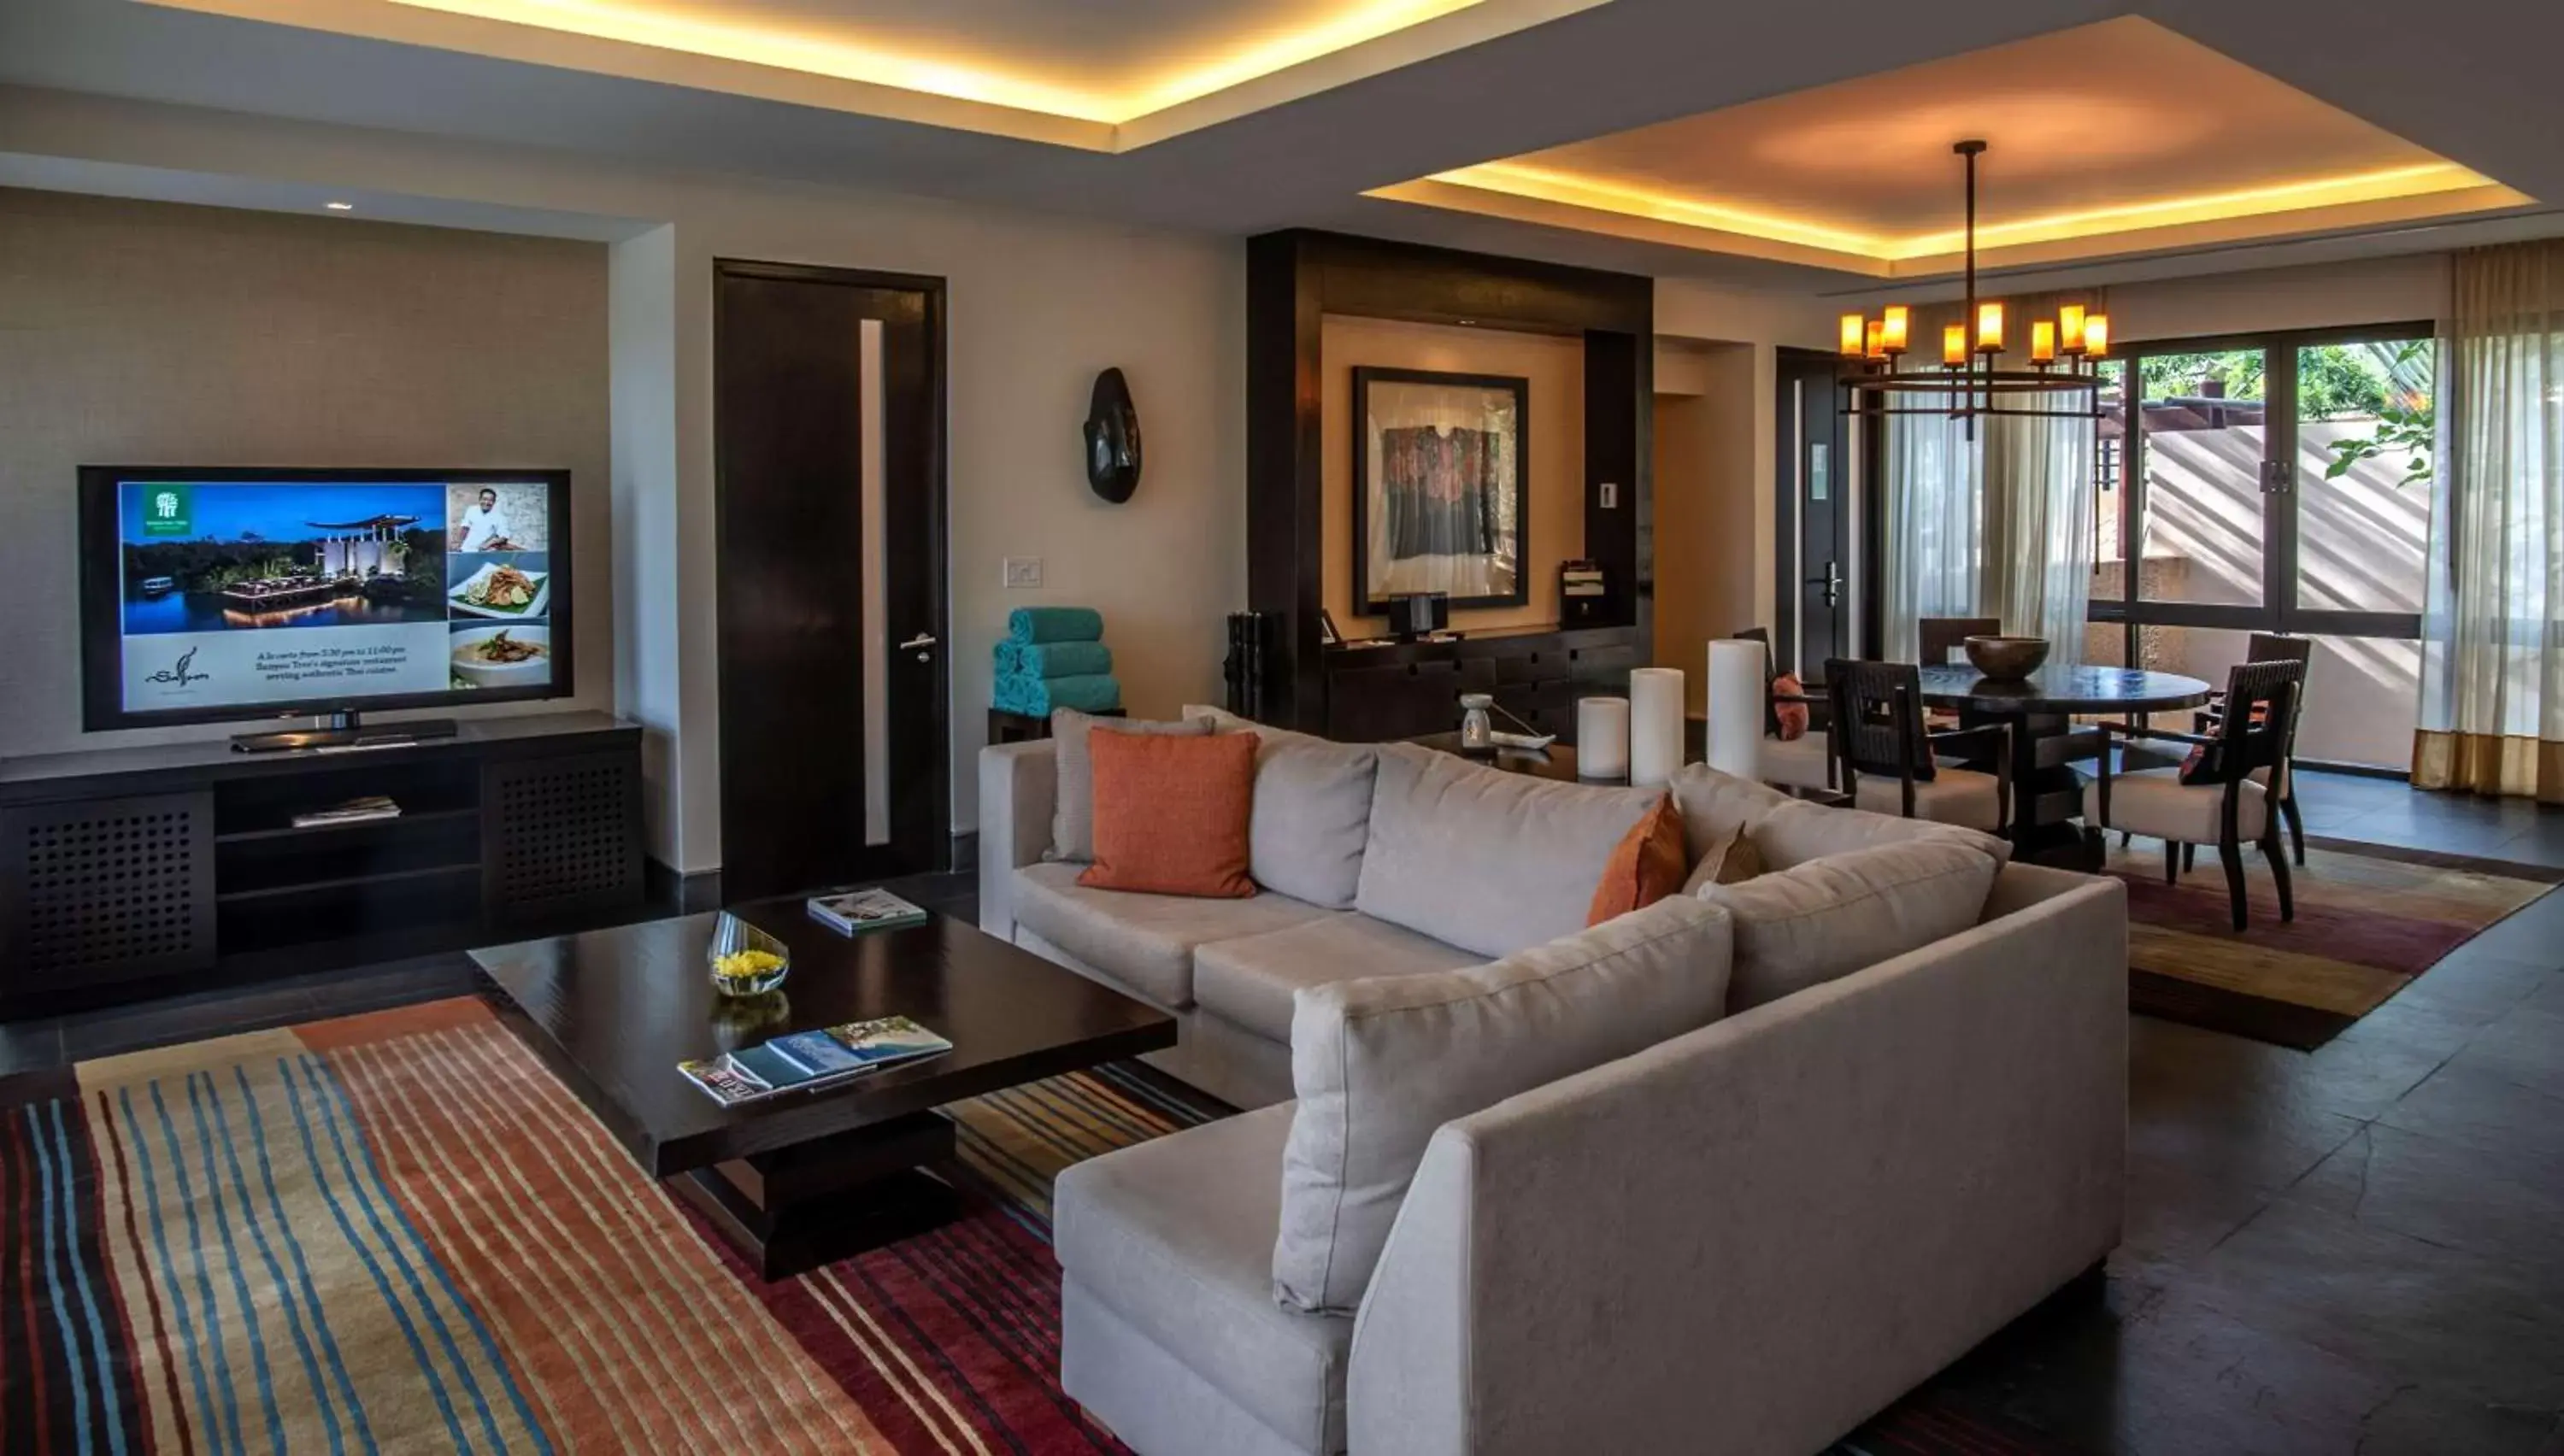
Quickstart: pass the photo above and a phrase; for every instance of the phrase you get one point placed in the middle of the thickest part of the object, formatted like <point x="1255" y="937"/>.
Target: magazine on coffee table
<point x="863" y="910"/>
<point x="808" y="1060"/>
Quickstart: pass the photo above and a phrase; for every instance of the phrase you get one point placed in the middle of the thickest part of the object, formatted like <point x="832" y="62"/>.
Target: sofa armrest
<point x="1018" y="788"/>
<point x="1762" y="1232"/>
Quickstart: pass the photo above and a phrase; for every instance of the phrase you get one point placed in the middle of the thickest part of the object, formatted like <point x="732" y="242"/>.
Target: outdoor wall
<point x="1554" y="448"/>
<point x="153" y="334"/>
<point x="1038" y="304"/>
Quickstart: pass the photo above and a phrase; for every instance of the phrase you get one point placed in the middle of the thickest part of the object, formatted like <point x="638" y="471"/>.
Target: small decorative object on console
<point x="2006" y="659"/>
<point x="745" y="962"/>
<point x="1418" y="614"/>
<point x="863" y="910"/>
<point x="1477" y="730"/>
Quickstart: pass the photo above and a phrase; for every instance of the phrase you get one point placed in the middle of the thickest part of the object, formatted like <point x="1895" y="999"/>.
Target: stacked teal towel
<point x="1054" y="624"/>
<point x="1038" y="696"/>
<point x="1053" y="658"/>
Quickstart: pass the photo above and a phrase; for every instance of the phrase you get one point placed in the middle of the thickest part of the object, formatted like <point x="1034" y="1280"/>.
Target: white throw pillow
<point x="1312" y="817"/>
<point x="1812" y="922"/>
<point x="1380" y="1064"/>
<point x="1714" y="805"/>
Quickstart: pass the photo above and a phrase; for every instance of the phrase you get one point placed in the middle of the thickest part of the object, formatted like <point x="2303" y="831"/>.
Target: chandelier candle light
<point x="2063" y="380"/>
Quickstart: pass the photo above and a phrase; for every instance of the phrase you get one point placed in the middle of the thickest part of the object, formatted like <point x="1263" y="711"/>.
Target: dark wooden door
<point x="828" y="411"/>
<point x="1814" y="517"/>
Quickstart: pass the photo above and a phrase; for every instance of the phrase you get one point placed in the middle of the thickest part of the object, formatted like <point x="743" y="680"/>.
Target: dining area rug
<point x="398" y="1232"/>
<point x="2367" y="924"/>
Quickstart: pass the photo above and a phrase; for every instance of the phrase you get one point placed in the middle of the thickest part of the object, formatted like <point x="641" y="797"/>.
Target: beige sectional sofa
<point x="1728" y="1173"/>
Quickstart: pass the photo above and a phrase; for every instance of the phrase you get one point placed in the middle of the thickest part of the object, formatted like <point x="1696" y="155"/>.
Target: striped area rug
<point x="2366" y="925"/>
<point x="397" y="1233"/>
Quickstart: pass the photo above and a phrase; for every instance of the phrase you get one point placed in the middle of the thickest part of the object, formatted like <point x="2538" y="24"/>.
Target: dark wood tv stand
<point x="135" y="872"/>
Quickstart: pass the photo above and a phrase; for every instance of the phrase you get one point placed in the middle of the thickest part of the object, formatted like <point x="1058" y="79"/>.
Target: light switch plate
<point x="1610" y="496"/>
<point x="1023" y="572"/>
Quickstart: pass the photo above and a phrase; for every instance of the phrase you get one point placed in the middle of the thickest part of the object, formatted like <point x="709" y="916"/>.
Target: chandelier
<point x="2063" y="380"/>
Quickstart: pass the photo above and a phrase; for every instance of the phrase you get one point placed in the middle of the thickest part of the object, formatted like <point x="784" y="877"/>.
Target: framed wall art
<point x="1439" y="495"/>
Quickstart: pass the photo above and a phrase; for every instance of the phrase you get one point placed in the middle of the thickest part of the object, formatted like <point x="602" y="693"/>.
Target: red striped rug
<point x="398" y="1233"/>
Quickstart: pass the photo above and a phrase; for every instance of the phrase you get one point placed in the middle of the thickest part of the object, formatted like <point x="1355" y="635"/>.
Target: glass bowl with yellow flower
<point x="745" y="962"/>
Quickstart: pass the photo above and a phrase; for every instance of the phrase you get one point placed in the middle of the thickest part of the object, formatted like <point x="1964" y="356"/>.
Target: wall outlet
<point x="1024" y="573"/>
<point x="1610" y="496"/>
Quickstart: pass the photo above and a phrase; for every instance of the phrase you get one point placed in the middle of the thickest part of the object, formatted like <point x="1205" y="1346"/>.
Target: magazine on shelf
<point x="863" y="910"/>
<point x="352" y="811"/>
<point x="812" y="1059"/>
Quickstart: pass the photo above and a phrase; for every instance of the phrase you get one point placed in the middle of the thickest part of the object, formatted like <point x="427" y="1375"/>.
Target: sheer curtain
<point x="2492" y="652"/>
<point x="1997" y="527"/>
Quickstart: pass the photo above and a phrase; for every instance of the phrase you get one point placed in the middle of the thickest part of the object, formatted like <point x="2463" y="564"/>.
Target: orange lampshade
<point x="1954" y="344"/>
<point x="2069" y="329"/>
<point x="1893" y="325"/>
<point x="1989" y="328"/>
<point x="1876" y="345"/>
<point x="2096" y="335"/>
<point x="2043" y="341"/>
<point x="1854" y="337"/>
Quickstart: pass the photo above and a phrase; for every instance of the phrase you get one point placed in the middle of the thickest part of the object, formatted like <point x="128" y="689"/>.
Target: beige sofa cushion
<point x="1715" y="805"/>
<point x="2156" y="802"/>
<point x="1829" y="917"/>
<point x="1312" y="809"/>
<point x="1252" y="980"/>
<point x="1378" y="1064"/>
<point x="1485" y="859"/>
<point x="1796" y="832"/>
<point x="1145" y="942"/>
<point x="1072" y="820"/>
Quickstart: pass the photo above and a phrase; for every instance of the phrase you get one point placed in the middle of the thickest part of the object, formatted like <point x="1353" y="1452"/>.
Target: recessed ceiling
<point x="1073" y="74"/>
<point x="2108" y="138"/>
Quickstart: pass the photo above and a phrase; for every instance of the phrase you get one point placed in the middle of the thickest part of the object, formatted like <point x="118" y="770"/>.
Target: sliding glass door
<point x="2278" y="483"/>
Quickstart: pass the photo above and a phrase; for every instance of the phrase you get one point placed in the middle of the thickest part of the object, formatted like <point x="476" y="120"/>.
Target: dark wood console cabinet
<point x="133" y="871"/>
<point x="1404" y="689"/>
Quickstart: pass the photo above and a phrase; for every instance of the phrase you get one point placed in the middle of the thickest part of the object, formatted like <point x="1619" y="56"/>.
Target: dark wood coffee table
<point x="803" y="1178"/>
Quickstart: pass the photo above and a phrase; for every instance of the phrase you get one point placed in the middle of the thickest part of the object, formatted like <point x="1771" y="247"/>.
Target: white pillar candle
<point x="1602" y="738"/>
<point x="1735" y="691"/>
<point x="1655" y="726"/>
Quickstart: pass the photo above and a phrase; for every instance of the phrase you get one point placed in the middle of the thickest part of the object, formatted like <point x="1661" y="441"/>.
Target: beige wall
<point x="150" y="333"/>
<point x="1556" y="448"/>
<point x="1038" y="304"/>
<point x="1713" y="508"/>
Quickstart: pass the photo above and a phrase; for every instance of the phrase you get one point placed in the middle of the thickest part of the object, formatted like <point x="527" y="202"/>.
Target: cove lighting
<point x="1543" y="185"/>
<point x="642" y="24"/>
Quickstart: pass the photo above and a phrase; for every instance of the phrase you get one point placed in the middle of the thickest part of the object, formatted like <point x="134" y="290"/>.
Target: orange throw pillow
<point x="1646" y="864"/>
<point x="1170" y="814"/>
<point x="1792" y="716"/>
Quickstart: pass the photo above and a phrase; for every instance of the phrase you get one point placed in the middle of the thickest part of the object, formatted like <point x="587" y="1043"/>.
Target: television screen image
<point x="237" y="596"/>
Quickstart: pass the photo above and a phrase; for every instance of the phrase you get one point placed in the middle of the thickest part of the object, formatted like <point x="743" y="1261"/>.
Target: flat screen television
<point x="216" y="594"/>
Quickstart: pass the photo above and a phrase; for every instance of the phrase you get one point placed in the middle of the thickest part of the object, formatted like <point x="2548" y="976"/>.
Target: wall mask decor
<point x="1112" y="439"/>
<point x="1438" y="487"/>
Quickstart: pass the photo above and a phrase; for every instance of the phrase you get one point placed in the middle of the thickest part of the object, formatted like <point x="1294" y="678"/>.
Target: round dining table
<point x="2046" y="792"/>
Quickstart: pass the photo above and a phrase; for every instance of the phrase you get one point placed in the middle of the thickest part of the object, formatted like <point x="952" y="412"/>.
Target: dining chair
<point x="2216" y="796"/>
<point x="1938" y="636"/>
<point x="1876" y="729"/>
<point x="2274" y="647"/>
<point x="1800" y="762"/>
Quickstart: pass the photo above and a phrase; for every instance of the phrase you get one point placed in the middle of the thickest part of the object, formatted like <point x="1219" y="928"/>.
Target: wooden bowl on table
<point x="2006" y="659"/>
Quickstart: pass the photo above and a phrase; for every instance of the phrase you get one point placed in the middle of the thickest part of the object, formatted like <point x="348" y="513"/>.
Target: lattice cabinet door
<point x="561" y="836"/>
<point x="105" y="889"/>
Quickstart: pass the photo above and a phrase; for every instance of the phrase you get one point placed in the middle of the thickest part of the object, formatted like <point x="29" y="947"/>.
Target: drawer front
<point x="1537" y="665"/>
<point x="1378" y="704"/>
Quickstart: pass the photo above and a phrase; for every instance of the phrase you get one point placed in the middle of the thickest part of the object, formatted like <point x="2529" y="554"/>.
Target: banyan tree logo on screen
<point x="165" y="511"/>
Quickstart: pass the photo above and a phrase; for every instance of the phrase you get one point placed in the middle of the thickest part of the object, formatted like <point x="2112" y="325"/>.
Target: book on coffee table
<point x="812" y="1059"/>
<point x="863" y="910"/>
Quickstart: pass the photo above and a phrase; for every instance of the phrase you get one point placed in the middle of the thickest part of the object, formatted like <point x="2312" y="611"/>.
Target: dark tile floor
<point x="2357" y="1250"/>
